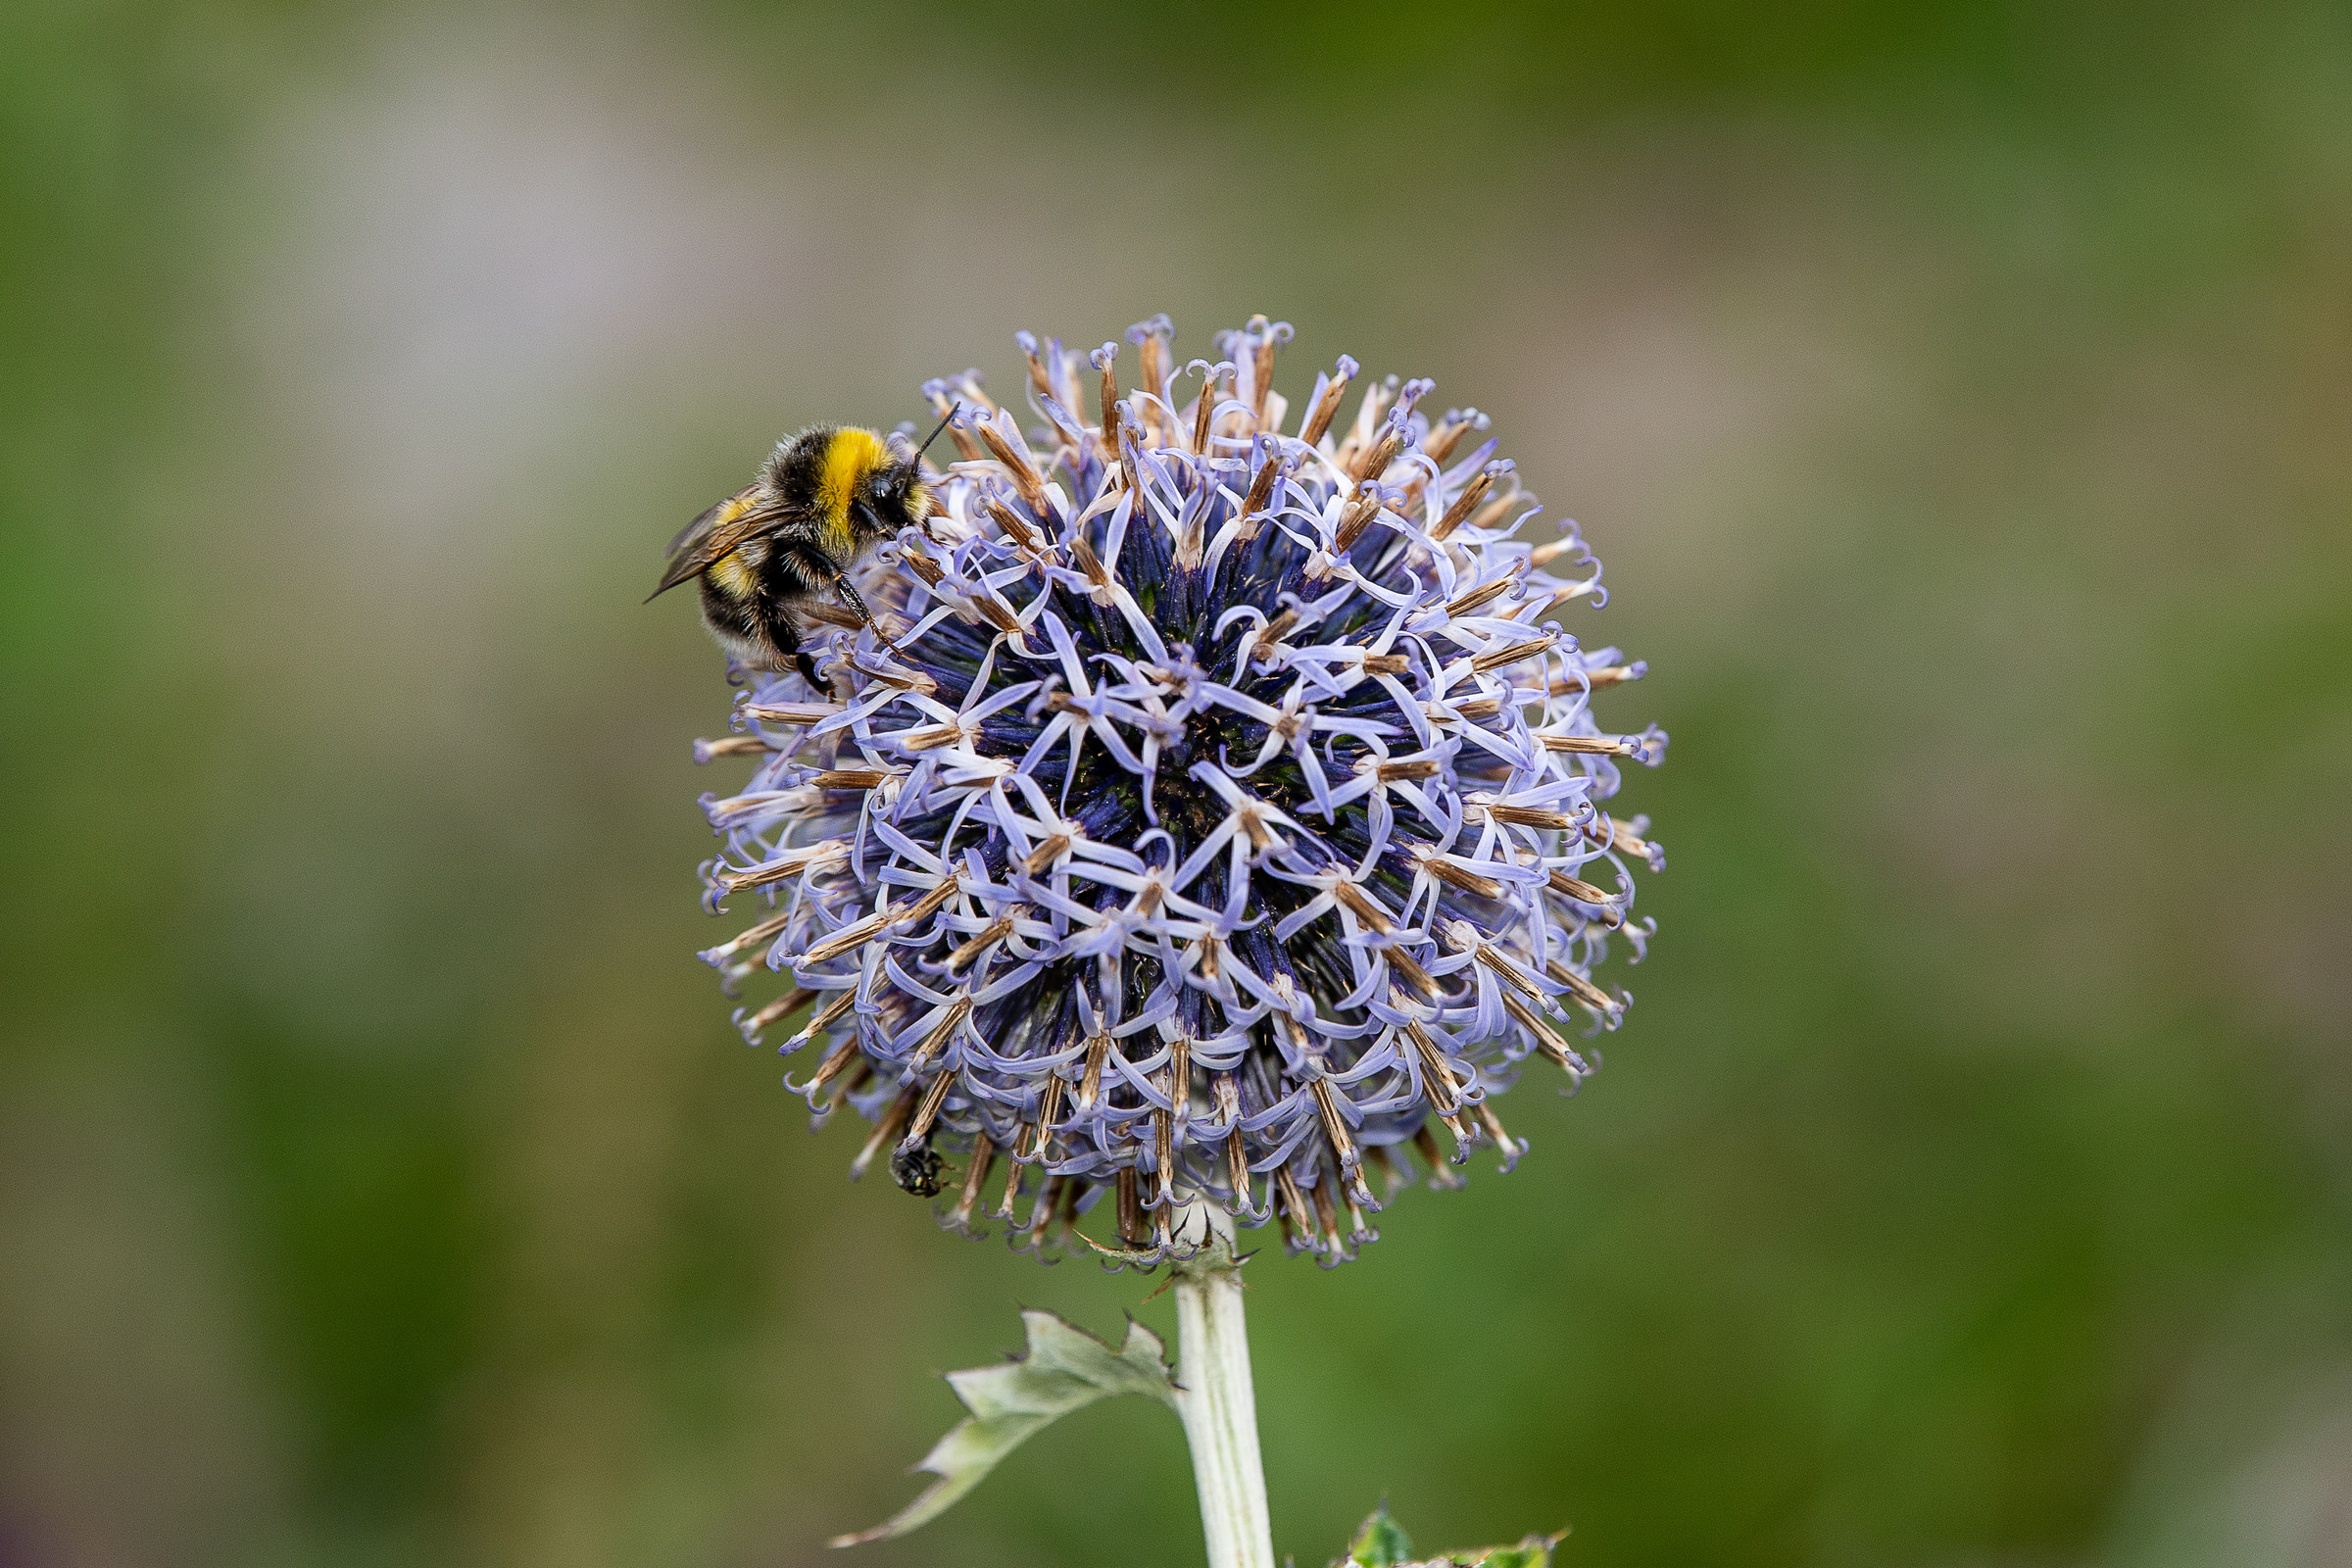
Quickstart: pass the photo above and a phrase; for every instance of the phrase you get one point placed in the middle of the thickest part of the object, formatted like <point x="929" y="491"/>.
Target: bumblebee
<point x="768" y="554"/>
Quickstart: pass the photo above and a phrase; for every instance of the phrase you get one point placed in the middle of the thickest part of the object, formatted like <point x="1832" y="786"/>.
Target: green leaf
<point x="1380" y="1544"/>
<point x="1065" y="1369"/>
<point x="1533" y="1553"/>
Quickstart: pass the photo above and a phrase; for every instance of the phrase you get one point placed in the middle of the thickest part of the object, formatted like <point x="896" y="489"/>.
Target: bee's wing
<point x="711" y="536"/>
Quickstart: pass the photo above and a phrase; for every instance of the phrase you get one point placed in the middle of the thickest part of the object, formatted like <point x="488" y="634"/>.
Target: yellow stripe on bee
<point x="852" y="455"/>
<point x="732" y="575"/>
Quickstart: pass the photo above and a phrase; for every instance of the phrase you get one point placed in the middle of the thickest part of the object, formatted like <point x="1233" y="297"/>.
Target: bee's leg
<point x="849" y="592"/>
<point x="787" y="638"/>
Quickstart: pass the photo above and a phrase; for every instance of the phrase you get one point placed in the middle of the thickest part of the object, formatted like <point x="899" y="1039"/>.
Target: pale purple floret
<point x="1234" y="807"/>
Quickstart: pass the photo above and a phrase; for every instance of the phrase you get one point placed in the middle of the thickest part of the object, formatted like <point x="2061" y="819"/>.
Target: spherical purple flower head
<point x="1231" y="807"/>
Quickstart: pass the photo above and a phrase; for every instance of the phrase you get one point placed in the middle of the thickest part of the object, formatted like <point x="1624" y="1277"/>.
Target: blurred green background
<point x="1960" y="396"/>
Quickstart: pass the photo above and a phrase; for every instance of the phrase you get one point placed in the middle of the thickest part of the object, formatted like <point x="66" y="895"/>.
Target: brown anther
<point x="1367" y="420"/>
<point x="1335" y="1124"/>
<point x="886" y="1132"/>
<point x="1261" y="488"/>
<point x="784" y="1007"/>
<point x="793" y="713"/>
<point x="1434" y="1069"/>
<point x="966" y="448"/>
<point x="1530" y="816"/>
<point x="1418" y="768"/>
<point x="832" y="1066"/>
<point x="1090" y="1087"/>
<point x="1356" y="520"/>
<point x="1582" y="989"/>
<point x="1513" y="652"/>
<point x="905" y="680"/>
<point x="1463" y="505"/>
<point x="1148" y="899"/>
<point x="996" y="612"/>
<point x="731" y="746"/>
<point x="1327" y="1213"/>
<point x="1511" y="1147"/>
<point x="1545" y="554"/>
<point x="1275" y="630"/>
<point x="1579" y="889"/>
<point x="1376" y="457"/>
<point x="1037" y="372"/>
<point x="932" y="739"/>
<point x="821" y="856"/>
<point x="927" y="1111"/>
<point x="930" y="903"/>
<point x="1041" y="1212"/>
<point x="1445" y="870"/>
<point x="1548" y="1038"/>
<point x="1010" y="521"/>
<point x="1405" y="964"/>
<point x="759" y="935"/>
<point x="1130" y="1207"/>
<point x="996" y="931"/>
<point x="1476" y="597"/>
<point x="1203" y="409"/>
<point x="1012" y="1197"/>
<point x="1089" y="563"/>
<point x="1163" y="1149"/>
<point x="1386" y="664"/>
<point x="831" y="1012"/>
<point x="1592" y="679"/>
<point x="1439" y="1175"/>
<point x="1110" y="438"/>
<point x="1261" y="380"/>
<point x="850" y="779"/>
<point x="1237" y="1147"/>
<point x="1049" y="1107"/>
<point x="975" y="1177"/>
<point x="942" y="1031"/>
<point x="1047" y="853"/>
<point x="923" y="567"/>
<point x="1495" y="511"/>
<point x="1360" y="903"/>
<point x="853" y="935"/>
<point x="1295" y="1209"/>
<point x="1512" y="974"/>
<point x="1024" y="477"/>
<point x="1155" y="352"/>
<point x="1479" y="708"/>
<point x="1446" y="437"/>
<point x="1621" y="836"/>
<point x="1318" y="419"/>
<point x="1591" y="744"/>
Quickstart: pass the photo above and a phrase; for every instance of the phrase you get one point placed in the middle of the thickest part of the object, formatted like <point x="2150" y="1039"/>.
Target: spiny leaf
<point x="1065" y="1369"/>
<point x="1380" y="1544"/>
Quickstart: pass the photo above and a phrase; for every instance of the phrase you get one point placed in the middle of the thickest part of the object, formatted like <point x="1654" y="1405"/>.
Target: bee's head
<point x="896" y="495"/>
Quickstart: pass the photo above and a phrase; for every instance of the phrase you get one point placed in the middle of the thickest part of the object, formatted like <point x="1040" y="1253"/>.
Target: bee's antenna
<point x="913" y="464"/>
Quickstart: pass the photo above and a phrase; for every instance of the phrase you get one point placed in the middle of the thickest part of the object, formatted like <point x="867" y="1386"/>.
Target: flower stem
<point x="1215" y="1400"/>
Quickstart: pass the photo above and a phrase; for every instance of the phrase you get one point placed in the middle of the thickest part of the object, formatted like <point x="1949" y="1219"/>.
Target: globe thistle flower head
<point x="1226" y="813"/>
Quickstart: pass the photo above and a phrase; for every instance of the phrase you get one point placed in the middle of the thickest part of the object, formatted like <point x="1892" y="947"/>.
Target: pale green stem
<point x="1215" y="1400"/>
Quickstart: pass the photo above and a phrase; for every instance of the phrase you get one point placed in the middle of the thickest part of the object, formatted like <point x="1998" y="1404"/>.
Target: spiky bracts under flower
<point x="1235" y="808"/>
